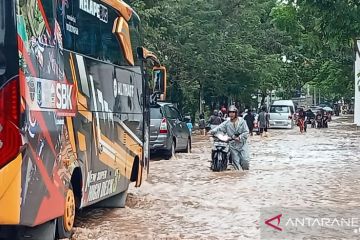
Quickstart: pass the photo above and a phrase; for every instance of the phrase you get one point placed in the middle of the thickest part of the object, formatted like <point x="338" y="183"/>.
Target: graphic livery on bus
<point x="74" y="111"/>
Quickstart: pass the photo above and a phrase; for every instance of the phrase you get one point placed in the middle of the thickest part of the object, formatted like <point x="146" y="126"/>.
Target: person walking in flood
<point x="249" y="118"/>
<point x="263" y="122"/>
<point x="202" y="124"/>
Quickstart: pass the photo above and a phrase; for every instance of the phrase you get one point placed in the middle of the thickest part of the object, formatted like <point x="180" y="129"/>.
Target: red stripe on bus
<point x="44" y="16"/>
<point x="22" y="83"/>
<point x="53" y="204"/>
<point x="25" y="54"/>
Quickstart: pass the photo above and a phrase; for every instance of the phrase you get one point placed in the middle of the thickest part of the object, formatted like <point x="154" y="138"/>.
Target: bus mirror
<point x="159" y="80"/>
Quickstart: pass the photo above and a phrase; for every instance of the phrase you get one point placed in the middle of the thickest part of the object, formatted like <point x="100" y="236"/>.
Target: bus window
<point x="8" y="47"/>
<point x="135" y="37"/>
<point x="95" y="38"/>
<point x="2" y="38"/>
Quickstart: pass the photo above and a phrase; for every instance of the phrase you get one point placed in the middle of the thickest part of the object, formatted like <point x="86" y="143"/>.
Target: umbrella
<point x="328" y="109"/>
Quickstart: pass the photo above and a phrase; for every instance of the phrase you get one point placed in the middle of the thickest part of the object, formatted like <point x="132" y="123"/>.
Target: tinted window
<point x="135" y="36"/>
<point x="92" y="35"/>
<point x="279" y="109"/>
<point x="2" y="37"/>
<point x="166" y="111"/>
<point x="175" y="113"/>
<point x="96" y="39"/>
<point x="155" y="113"/>
<point x="9" y="63"/>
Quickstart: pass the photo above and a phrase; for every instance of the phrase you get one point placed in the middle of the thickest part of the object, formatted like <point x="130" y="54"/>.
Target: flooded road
<point x="183" y="199"/>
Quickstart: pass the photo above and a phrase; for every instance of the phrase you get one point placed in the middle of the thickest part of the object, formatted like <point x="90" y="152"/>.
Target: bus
<point x="74" y="111"/>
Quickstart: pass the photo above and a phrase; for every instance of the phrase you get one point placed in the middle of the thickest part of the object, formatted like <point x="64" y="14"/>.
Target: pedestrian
<point x="263" y="121"/>
<point x="237" y="130"/>
<point x="249" y="118"/>
<point x="189" y="125"/>
<point x="202" y="124"/>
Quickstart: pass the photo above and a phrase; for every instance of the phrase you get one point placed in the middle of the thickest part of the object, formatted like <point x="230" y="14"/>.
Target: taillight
<point x="163" y="126"/>
<point x="10" y="139"/>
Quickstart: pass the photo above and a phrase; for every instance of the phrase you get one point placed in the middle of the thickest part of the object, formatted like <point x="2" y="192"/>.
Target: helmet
<point x="216" y="112"/>
<point x="223" y="110"/>
<point x="232" y="108"/>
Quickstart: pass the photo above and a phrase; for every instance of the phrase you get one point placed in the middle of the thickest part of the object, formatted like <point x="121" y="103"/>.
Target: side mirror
<point x="159" y="80"/>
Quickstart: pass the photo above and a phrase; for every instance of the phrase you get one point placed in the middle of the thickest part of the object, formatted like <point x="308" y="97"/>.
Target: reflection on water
<point x="183" y="199"/>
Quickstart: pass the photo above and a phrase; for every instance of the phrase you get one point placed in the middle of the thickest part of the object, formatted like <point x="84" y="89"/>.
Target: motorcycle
<point x="319" y="121"/>
<point x="325" y="120"/>
<point x="312" y="121"/>
<point x="220" y="154"/>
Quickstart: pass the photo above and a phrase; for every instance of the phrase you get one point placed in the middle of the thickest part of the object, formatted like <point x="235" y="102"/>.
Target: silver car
<point x="281" y="117"/>
<point x="168" y="130"/>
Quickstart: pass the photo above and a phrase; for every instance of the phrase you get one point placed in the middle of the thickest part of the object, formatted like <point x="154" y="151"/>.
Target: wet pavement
<point x="183" y="199"/>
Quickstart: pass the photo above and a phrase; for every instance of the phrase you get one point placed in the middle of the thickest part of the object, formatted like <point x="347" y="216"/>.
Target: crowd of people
<point x="260" y="122"/>
<point x="240" y="125"/>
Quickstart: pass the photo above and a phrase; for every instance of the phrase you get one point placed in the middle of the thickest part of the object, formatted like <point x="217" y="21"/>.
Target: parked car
<point x="168" y="130"/>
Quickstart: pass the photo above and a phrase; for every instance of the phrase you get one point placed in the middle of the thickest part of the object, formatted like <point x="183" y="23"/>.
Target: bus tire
<point x="45" y="231"/>
<point x="65" y="223"/>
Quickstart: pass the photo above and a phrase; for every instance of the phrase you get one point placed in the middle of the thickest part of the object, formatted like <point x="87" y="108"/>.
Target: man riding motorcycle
<point x="237" y="129"/>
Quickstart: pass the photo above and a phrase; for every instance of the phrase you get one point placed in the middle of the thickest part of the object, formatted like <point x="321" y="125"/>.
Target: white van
<point x="282" y="114"/>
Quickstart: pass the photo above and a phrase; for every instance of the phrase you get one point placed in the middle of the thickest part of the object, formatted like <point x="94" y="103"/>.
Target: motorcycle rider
<point x="237" y="129"/>
<point x="224" y="115"/>
<point x="319" y="119"/>
<point x="214" y="119"/>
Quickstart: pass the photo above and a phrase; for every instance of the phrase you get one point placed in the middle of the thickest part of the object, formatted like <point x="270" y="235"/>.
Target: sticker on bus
<point x="49" y="95"/>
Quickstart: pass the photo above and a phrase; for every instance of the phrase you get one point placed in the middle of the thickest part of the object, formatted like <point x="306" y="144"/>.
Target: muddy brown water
<point x="183" y="199"/>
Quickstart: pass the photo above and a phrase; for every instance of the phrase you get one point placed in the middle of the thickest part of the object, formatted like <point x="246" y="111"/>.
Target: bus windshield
<point x="2" y="38"/>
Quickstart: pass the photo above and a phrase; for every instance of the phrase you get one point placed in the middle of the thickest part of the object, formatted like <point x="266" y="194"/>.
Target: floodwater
<point x="183" y="199"/>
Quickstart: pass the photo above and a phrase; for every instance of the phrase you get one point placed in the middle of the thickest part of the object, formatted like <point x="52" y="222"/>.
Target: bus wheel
<point x="65" y="223"/>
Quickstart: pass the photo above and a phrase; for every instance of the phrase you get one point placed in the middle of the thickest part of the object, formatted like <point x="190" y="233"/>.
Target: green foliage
<point x="230" y="50"/>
